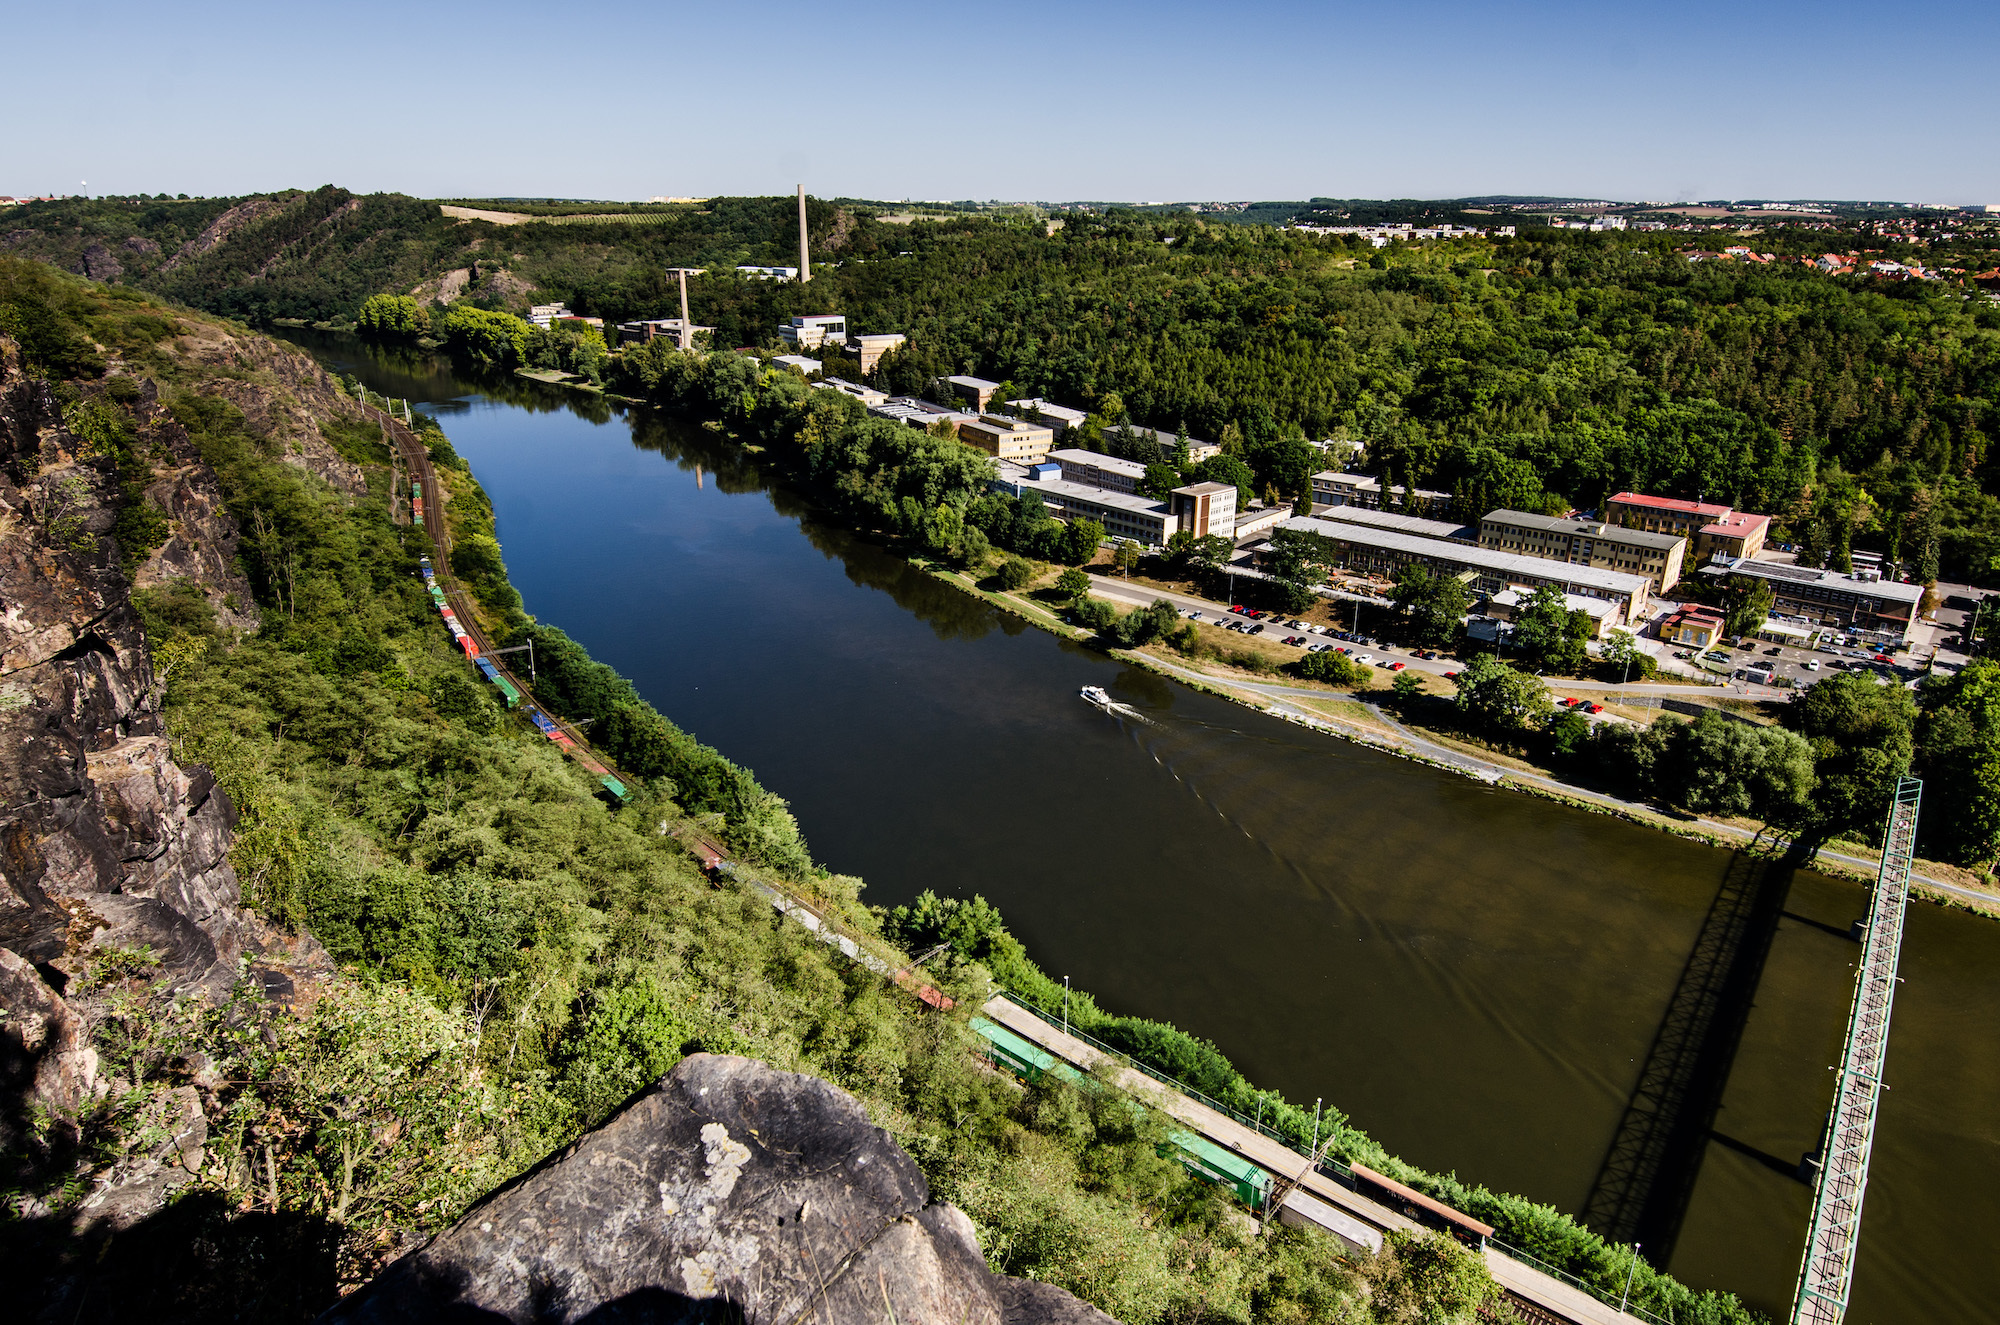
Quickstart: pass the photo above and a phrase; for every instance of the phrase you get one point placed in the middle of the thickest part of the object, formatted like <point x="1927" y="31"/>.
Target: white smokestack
<point x="687" y="331"/>
<point x="805" y="257"/>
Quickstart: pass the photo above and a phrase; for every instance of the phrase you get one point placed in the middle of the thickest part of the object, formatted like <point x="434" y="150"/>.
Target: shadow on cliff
<point x="196" y="1260"/>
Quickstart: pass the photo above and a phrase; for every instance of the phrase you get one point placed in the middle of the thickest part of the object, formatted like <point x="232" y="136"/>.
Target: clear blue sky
<point x="1086" y="99"/>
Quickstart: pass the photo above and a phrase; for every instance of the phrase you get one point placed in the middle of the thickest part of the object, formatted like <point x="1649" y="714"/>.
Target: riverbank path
<point x="1394" y="736"/>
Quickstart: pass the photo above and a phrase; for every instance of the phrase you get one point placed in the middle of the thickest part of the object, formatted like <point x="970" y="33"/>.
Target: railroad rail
<point x="455" y="606"/>
<point x="1826" y="1270"/>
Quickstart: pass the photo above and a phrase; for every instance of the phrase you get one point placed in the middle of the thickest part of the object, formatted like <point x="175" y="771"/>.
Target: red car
<point x="1597" y="708"/>
<point x="1236" y="607"/>
<point x="1451" y="676"/>
<point x="1397" y="666"/>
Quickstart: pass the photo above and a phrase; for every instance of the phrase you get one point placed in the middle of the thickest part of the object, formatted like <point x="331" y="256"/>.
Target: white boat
<point x="1097" y="696"/>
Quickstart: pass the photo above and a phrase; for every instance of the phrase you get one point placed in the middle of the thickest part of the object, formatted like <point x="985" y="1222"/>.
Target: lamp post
<point x="1630" y="1266"/>
<point x="1065" y="1005"/>
<point x="1316" y="1104"/>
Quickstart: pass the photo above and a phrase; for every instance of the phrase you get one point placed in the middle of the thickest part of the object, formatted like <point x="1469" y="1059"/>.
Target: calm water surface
<point x="1472" y="975"/>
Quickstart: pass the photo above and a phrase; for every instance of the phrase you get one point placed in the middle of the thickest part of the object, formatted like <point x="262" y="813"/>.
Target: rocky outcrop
<point x="101" y="264"/>
<point x="728" y="1191"/>
<point x="283" y="395"/>
<point x="221" y="228"/>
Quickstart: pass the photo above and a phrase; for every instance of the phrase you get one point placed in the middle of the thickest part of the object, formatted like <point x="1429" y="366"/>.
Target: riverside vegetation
<point x="517" y="956"/>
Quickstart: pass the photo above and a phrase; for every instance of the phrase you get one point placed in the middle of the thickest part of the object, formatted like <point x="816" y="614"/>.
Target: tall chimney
<point x="687" y="332"/>
<point x="805" y="256"/>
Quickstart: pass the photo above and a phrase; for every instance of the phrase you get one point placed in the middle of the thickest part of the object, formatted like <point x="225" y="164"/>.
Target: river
<point x="1474" y="976"/>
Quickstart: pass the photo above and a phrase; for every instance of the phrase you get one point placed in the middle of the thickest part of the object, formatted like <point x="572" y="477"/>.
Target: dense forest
<point x="517" y="955"/>
<point x="1542" y="372"/>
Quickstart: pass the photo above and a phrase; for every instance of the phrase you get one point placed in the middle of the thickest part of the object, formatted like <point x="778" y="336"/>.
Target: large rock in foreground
<point x="729" y="1191"/>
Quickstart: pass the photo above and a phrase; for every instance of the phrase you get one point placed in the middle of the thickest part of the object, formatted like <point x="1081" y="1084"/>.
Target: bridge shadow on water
<point x="1642" y="1190"/>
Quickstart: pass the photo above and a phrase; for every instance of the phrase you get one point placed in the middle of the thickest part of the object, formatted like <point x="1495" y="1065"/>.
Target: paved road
<point x="1400" y="737"/>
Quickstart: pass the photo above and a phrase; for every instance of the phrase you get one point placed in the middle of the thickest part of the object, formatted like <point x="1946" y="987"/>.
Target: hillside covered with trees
<point x="1541" y="373"/>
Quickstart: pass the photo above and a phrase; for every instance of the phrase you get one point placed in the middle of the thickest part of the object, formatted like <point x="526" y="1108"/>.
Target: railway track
<point x="427" y="506"/>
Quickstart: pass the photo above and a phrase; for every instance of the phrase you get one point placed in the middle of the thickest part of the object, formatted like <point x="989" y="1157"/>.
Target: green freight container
<point x="1023" y="1057"/>
<point x="1247" y="1181"/>
<point x="615" y="787"/>
<point x="508" y="692"/>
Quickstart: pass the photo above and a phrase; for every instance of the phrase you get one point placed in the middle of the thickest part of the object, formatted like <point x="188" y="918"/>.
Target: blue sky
<point x="1164" y="101"/>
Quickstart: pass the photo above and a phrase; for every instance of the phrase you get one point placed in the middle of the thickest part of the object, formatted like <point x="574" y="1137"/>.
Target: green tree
<point x="1015" y="573"/>
<point x="1862" y="736"/>
<point x="1624" y="660"/>
<point x="1160" y="480"/>
<point x="1125" y="557"/>
<point x="1551" y="634"/>
<point x="1493" y="697"/>
<point x="1749" y="603"/>
<point x="1429" y="1279"/>
<point x="1080" y="541"/>
<point x="1959" y="759"/>
<point x="1407" y="687"/>
<point x="392" y="317"/>
<point x="1073" y="583"/>
<point x="1434" y="604"/>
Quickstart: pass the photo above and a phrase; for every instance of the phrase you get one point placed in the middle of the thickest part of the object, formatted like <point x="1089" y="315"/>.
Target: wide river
<point x="1474" y="976"/>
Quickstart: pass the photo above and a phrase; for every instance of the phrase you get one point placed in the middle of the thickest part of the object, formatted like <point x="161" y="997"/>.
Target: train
<point x="1248" y="1182"/>
<point x="510" y="694"/>
<point x="417" y="502"/>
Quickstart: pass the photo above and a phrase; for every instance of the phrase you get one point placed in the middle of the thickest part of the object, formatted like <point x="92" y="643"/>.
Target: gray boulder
<point x="727" y="1191"/>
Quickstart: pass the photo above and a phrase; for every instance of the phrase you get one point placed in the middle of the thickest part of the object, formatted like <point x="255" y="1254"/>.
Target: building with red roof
<point x="1737" y="534"/>
<point x="1662" y="515"/>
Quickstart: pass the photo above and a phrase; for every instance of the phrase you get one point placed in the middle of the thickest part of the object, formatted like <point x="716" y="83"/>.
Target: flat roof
<point x="1205" y="488"/>
<point x="978" y="383"/>
<point x="1352" y="479"/>
<point x="1557" y="524"/>
<point x="1110" y="464"/>
<point x="1670" y="504"/>
<point x="1595" y="607"/>
<point x="1833" y="581"/>
<point x="1736" y="523"/>
<point x="1083" y="494"/>
<point x="1408" y="524"/>
<point x="1469" y="554"/>
<point x="1063" y="412"/>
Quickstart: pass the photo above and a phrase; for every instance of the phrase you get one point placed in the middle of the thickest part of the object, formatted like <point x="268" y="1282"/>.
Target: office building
<point x="1007" y="439"/>
<point x="1587" y="543"/>
<point x="1095" y="470"/>
<point x="1487" y="571"/>
<point x="1333" y="488"/>
<point x="1861" y="603"/>
<point x="812" y="331"/>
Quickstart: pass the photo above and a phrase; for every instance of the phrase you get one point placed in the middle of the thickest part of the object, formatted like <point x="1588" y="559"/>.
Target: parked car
<point x="1451" y="676"/>
<point x="1597" y="708"/>
<point x="1397" y="666"/>
<point x="1236" y="607"/>
<point x="1362" y="659"/>
<point x="1813" y="665"/>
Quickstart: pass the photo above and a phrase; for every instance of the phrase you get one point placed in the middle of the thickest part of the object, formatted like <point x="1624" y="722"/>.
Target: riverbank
<point x="1932" y="881"/>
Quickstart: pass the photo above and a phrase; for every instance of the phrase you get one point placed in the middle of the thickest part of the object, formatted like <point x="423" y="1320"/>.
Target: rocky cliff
<point x="729" y="1191"/>
<point x="106" y="841"/>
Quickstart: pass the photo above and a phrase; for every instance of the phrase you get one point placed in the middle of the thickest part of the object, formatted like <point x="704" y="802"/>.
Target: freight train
<point x="510" y="694"/>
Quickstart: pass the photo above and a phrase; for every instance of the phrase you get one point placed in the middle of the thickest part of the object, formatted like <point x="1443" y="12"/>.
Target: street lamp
<point x="1065" y="1005"/>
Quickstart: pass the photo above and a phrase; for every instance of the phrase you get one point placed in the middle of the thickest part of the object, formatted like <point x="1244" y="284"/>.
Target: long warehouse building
<point x="1489" y="571"/>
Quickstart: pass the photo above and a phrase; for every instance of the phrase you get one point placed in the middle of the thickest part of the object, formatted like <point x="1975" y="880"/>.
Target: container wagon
<point x="1248" y="1182"/>
<point x="1020" y="1055"/>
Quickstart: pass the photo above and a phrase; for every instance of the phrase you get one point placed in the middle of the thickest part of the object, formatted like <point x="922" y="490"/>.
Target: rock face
<point x="728" y="1191"/>
<point x="100" y="831"/>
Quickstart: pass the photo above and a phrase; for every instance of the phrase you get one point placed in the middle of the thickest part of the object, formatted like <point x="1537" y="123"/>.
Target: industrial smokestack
<point x="805" y="257"/>
<point x="687" y="331"/>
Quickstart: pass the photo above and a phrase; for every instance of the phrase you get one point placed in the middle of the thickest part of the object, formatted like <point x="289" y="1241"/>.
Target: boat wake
<point x="1098" y="696"/>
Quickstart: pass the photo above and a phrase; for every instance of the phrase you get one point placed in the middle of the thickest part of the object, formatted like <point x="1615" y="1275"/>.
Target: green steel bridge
<point x="1826" y="1273"/>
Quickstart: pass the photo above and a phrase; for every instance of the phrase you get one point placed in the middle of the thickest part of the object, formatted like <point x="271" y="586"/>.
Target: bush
<point x="1014" y="573"/>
